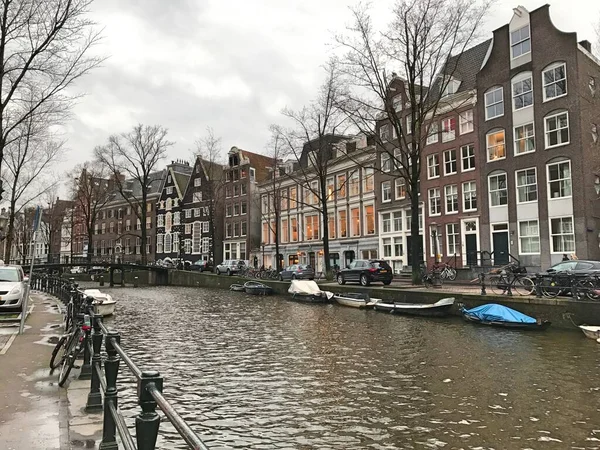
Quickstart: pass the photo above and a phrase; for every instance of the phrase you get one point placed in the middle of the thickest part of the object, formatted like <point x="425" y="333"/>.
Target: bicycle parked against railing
<point x="511" y="278"/>
<point x="446" y="271"/>
<point x="568" y="283"/>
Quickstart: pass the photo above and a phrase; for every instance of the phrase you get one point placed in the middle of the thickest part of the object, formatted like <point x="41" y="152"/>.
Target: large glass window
<point x="354" y="184"/>
<point x="559" y="179"/>
<point x="494" y="103"/>
<point x="387" y="247"/>
<point x="341" y="186"/>
<point x="469" y="196"/>
<point x="432" y="136"/>
<point x="294" y="229"/>
<point x="370" y="219"/>
<point x="342" y="223"/>
<point x="524" y="139"/>
<point x="529" y="237"/>
<point x="448" y="129"/>
<point x="526" y="185"/>
<point x="557" y="129"/>
<point x="466" y="121"/>
<point x="555" y="81"/>
<point x="522" y="93"/>
<point x="451" y="194"/>
<point x="386" y="162"/>
<point x="312" y="228"/>
<point x="433" y="166"/>
<point x="400" y="188"/>
<point x="452" y="239"/>
<point x="495" y="145"/>
<point x="285" y="231"/>
<point x="386" y="223"/>
<point x="293" y="194"/>
<point x="368" y="179"/>
<point x="355" y="221"/>
<point x="520" y="41"/>
<point x="450" y="165"/>
<point x="435" y="206"/>
<point x="562" y="234"/>
<point x="331" y="225"/>
<point x="468" y="157"/>
<point x="498" y="190"/>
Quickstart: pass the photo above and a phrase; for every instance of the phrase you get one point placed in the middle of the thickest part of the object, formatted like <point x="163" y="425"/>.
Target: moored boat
<point x="256" y="288"/>
<point x="438" y="309"/>
<point x="237" y="288"/>
<point x="502" y="316"/>
<point x="103" y="303"/>
<point x="355" y="300"/>
<point x="590" y="331"/>
<point x="308" y="291"/>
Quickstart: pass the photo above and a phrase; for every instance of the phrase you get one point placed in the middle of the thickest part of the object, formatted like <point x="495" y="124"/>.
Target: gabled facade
<point x="169" y="211"/>
<point x="204" y="212"/>
<point x="538" y="115"/>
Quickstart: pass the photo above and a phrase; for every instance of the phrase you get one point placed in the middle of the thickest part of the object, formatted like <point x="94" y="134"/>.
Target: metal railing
<point x="103" y="374"/>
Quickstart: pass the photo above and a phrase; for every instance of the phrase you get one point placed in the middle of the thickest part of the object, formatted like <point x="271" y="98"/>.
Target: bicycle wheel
<point x="523" y="286"/>
<point x="550" y="288"/>
<point x="57" y="348"/>
<point x="451" y="273"/>
<point x="586" y="288"/>
<point x="65" y="368"/>
<point x="498" y="284"/>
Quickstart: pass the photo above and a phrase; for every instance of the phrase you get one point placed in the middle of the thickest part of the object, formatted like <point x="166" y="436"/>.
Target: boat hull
<point x="354" y="302"/>
<point x="509" y="325"/>
<point x="105" y="309"/>
<point x="237" y="288"/>
<point x="590" y="331"/>
<point x="432" y="311"/>
<point x="310" y="298"/>
<point x="258" y="290"/>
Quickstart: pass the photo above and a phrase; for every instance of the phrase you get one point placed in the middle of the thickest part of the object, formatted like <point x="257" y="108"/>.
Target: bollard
<point x="135" y="282"/>
<point x="111" y="370"/>
<point x="94" y="401"/>
<point x="101" y="280"/>
<point x="148" y="421"/>
<point x="482" y="282"/>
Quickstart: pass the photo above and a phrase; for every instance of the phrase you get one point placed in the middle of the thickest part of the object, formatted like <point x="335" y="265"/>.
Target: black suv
<point x="365" y="271"/>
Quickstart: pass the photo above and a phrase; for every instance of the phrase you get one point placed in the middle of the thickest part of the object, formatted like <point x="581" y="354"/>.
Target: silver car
<point x="12" y="287"/>
<point x="230" y="266"/>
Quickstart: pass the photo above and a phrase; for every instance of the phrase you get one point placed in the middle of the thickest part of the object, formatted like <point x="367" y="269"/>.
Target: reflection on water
<point x="265" y="373"/>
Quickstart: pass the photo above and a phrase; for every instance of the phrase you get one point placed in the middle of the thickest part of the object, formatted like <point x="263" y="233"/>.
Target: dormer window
<point x="397" y="102"/>
<point x="451" y="87"/>
<point x="520" y="42"/>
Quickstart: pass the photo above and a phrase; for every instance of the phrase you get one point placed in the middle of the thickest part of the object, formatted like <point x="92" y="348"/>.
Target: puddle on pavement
<point x="51" y="327"/>
<point x="48" y="339"/>
<point x="88" y="443"/>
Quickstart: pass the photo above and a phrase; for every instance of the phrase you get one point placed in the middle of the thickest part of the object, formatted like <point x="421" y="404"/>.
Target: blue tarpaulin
<point x="493" y="312"/>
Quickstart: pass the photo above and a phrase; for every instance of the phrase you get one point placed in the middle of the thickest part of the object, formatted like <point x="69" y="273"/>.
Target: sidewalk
<point x="30" y="399"/>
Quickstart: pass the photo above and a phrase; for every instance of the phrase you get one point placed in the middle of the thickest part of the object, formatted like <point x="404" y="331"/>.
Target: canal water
<point x="269" y="373"/>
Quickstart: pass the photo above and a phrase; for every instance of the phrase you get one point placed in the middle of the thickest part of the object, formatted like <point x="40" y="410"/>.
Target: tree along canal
<point x="266" y="372"/>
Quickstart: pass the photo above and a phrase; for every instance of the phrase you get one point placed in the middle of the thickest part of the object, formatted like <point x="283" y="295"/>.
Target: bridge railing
<point x="103" y="374"/>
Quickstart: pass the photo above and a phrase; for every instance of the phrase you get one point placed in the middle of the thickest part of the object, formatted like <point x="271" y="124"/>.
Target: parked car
<point x="201" y="266"/>
<point x="366" y="271"/>
<point x="12" y="288"/>
<point x="77" y="269"/>
<point x="230" y="266"/>
<point x="95" y="270"/>
<point x="578" y="267"/>
<point x="297" y="272"/>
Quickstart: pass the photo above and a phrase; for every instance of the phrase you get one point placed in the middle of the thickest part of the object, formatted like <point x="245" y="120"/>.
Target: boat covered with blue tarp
<point x="502" y="316"/>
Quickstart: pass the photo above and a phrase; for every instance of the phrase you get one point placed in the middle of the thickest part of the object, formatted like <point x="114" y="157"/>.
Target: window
<point x="197" y="197"/>
<point x="236" y="229"/>
<point x="387" y="247"/>
<point x="187" y="246"/>
<point x="494" y="103"/>
<point x="384" y="132"/>
<point x="520" y="42"/>
<point x="159" y="243"/>
<point x="188" y="213"/>
<point x="169" y="190"/>
<point x="557" y="129"/>
<point x="526" y="185"/>
<point x="228" y="229"/>
<point x="264" y="204"/>
<point x="435" y="207"/>
<point x="242" y="250"/>
<point x="293" y="195"/>
<point x="368" y="179"/>
<point x="469" y="196"/>
<point x="400" y="189"/>
<point x="314" y="189"/>
<point x="330" y="188"/>
<point x="128" y="224"/>
<point x="522" y="94"/>
<point x="559" y="179"/>
<point x="294" y="227"/>
<point x="341" y="186"/>
<point x="196" y="212"/>
<point x="495" y="145"/>
<point x="196" y="237"/>
<point x="398" y="221"/>
<point x="342" y="223"/>
<point x="236" y="209"/>
<point x="148" y="223"/>
<point x="467" y="153"/>
<point x="498" y="190"/>
<point x="554" y="79"/>
<point x="187" y="228"/>
<point x="451" y="87"/>
<point x="452" y="237"/>
<point x="355" y="221"/>
<point x="562" y="234"/>
<point x="529" y="237"/>
<point x="176" y="218"/>
<point x="466" y="121"/>
<point x="205" y="227"/>
<point x="197" y="182"/>
<point x="169" y="205"/>
<point x="450" y="166"/>
<point x="433" y="166"/>
<point x="370" y="219"/>
<point x="386" y="191"/>
<point x="408" y="124"/>
<point x="524" y="139"/>
<point x="397" y="102"/>
<point x="331" y="225"/>
<point x="229" y="210"/>
<point x="205" y="245"/>
<point x="451" y="194"/>
<point x="252" y="174"/>
<point x="243" y="189"/>
<point x="386" y="223"/>
<point x="448" y="129"/>
<point x="386" y="162"/>
<point x="432" y="136"/>
<point x="285" y="231"/>
<point x="227" y="191"/>
<point x="243" y="208"/>
<point x="354" y="184"/>
<point x="167" y="243"/>
<point x="265" y="233"/>
<point x="244" y="228"/>
<point x="312" y="228"/>
<point x="236" y="190"/>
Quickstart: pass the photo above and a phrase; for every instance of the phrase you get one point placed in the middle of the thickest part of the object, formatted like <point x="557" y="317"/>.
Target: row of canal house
<point x="510" y="169"/>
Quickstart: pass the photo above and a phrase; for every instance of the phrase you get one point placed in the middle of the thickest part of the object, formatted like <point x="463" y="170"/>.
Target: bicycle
<point x="509" y="278"/>
<point x="567" y="283"/>
<point x="448" y="272"/>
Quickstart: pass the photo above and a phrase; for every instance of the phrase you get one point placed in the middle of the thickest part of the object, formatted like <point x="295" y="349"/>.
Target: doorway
<point x="349" y="256"/>
<point x="471" y="249"/>
<point x="500" y="243"/>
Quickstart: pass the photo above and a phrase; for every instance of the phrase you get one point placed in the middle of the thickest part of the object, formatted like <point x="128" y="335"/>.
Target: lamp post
<point x="437" y="281"/>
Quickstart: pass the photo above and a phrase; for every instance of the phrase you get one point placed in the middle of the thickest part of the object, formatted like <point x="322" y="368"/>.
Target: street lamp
<point x="437" y="281"/>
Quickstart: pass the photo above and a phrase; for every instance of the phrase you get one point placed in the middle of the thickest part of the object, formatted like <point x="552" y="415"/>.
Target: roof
<point x="181" y="180"/>
<point x="156" y="184"/>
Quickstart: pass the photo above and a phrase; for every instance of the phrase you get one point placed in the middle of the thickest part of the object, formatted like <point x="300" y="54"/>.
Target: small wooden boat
<point x="590" y="331"/>
<point x="308" y="291"/>
<point x="438" y="309"/>
<point x="237" y="288"/>
<point x="355" y="300"/>
<point x="502" y="316"/>
<point x="103" y="303"/>
<point x="256" y="288"/>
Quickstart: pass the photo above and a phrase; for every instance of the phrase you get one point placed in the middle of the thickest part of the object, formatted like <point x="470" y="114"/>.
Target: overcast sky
<point x="228" y="64"/>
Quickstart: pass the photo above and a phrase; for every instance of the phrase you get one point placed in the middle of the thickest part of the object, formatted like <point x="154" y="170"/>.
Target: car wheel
<point x="364" y="280"/>
<point x="340" y="279"/>
<point x="388" y="282"/>
<point x="218" y="272"/>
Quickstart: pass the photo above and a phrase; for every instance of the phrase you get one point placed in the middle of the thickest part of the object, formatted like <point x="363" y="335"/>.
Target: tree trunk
<point x="415" y="249"/>
<point x="142" y="215"/>
<point x="325" y="217"/>
<point x="277" y="264"/>
<point x="90" y="249"/>
<point x="9" y="237"/>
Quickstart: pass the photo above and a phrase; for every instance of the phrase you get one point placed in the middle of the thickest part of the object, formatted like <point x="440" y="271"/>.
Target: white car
<point x="12" y="287"/>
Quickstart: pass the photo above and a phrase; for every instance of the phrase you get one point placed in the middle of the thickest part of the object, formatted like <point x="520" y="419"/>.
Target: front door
<point x="500" y="242"/>
<point x="471" y="249"/>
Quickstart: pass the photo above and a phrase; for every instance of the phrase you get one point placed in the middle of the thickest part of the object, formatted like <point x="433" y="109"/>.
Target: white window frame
<point x="472" y="194"/>
<point x="399" y="182"/>
<point x="447" y="160"/>
<point x="562" y="251"/>
<point x="451" y="192"/>
<point x="494" y="102"/>
<point x="470" y="157"/>
<point x="526" y="185"/>
<point x="433" y="163"/>
<point x="519" y="42"/>
<point x="455" y="239"/>
<point x="434" y="199"/>
<point x="496" y="175"/>
<point x="386" y="186"/>
<point x="523" y="94"/>
<point x="528" y="135"/>
<point x="559" y="180"/>
<point x="488" y="147"/>
<point x="556" y="130"/>
<point x="466" y="122"/>
<point x="448" y="133"/>
<point x="529" y="236"/>
<point x="553" y="67"/>
<point x="433" y="134"/>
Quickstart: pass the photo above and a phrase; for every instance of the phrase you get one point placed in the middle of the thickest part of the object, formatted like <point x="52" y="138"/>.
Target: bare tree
<point x="210" y="155"/>
<point x="417" y="44"/>
<point x="27" y="163"/>
<point x="44" y="49"/>
<point x="135" y="155"/>
<point x="314" y="130"/>
<point x="92" y="189"/>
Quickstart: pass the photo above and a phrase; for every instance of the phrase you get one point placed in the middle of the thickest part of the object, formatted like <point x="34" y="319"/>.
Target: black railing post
<point x="86" y="368"/>
<point x="94" y="401"/>
<point x="508" y="285"/>
<point x="482" y="282"/>
<point x="148" y="421"/>
<point x="538" y="285"/>
<point x="111" y="369"/>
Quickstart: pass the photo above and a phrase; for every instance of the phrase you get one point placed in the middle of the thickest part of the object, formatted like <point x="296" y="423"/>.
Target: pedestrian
<point x="565" y="257"/>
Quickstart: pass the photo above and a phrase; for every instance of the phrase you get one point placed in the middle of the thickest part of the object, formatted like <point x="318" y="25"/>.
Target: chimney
<point x="586" y="44"/>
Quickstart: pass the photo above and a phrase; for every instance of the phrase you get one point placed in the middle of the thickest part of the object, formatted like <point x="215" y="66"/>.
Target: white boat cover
<point x="99" y="296"/>
<point x="308" y="287"/>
